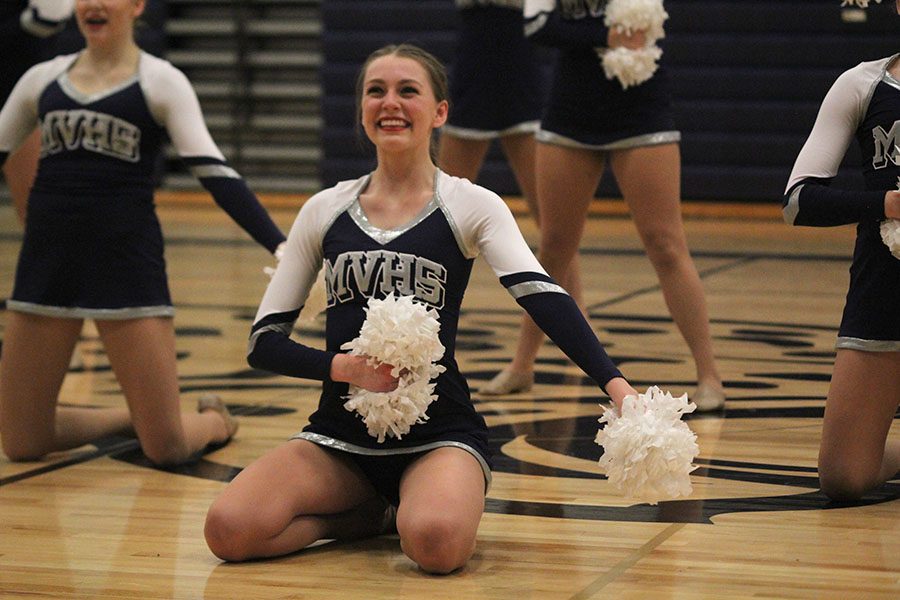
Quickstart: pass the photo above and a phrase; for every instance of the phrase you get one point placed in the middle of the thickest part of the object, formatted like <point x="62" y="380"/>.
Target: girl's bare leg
<point x="649" y="178"/>
<point x="289" y="498"/>
<point x="142" y="355"/>
<point x="520" y="154"/>
<point x="462" y="157"/>
<point x="855" y="455"/>
<point x="441" y="503"/>
<point x="36" y="352"/>
<point x="566" y="181"/>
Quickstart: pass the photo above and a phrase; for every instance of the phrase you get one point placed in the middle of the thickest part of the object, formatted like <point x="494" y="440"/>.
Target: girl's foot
<point x="708" y="398"/>
<point x="214" y="402"/>
<point x="508" y="382"/>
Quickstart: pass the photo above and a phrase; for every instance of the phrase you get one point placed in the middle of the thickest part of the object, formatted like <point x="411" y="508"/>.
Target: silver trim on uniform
<point x="490" y="134"/>
<point x="638" y="141"/>
<point x="860" y="117"/>
<point x="330" y="442"/>
<point x="75" y="312"/>
<point x="792" y="208"/>
<point x="78" y="96"/>
<point x="853" y="343"/>
<point x="534" y="287"/>
<point x="282" y="328"/>
<point x="214" y="170"/>
<point x="891" y="80"/>
<point x="451" y="222"/>
<point x="383" y="236"/>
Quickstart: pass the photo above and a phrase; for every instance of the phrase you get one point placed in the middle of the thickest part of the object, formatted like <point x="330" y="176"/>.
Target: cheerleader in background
<point x="496" y="91"/>
<point x="855" y="454"/>
<point x="93" y="247"/>
<point x="591" y="120"/>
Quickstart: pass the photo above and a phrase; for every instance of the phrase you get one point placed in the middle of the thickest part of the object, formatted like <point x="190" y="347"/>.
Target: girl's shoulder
<point x="867" y="72"/>
<point x="156" y="71"/>
<point x="43" y="73"/>
<point x="458" y="191"/>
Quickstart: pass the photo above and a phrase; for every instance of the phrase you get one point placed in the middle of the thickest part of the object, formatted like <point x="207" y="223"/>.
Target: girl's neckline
<point x="385" y="235"/>
<point x="71" y="90"/>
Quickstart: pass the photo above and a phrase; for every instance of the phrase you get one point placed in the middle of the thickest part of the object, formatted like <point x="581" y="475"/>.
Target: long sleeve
<point x="232" y="194"/>
<point x="270" y="346"/>
<point x="496" y="236"/>
<point x="548" y="23"/>
<point x="174" y="104"/>
<point x="809" y="199"/>
<point x="19" y="117"/>
<point x="272" y="349"/>
<point x="556" y="313"/>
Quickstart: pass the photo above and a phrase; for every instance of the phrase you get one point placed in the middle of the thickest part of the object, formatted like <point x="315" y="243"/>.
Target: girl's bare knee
<point x="664" y="252"/>
<point x="225" y="535"/>
<point x="170" y="451"/>
<point x="23" y="451"/>
<point x="846" y="483"/>
<point x="437" y="545"/>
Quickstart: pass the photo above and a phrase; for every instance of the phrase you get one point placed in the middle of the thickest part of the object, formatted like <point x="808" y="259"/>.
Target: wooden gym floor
<point x="99" y="522"/>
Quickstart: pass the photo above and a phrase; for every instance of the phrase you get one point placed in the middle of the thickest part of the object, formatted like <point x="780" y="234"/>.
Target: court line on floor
<point x="114" y="449"/>
<point x="623" y="565"/>
<point x="77" y="459"/>
<point x="739" y="262"/>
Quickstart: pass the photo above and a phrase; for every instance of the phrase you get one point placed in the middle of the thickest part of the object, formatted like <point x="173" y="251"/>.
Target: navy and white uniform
<point x="585" y="109"/>
<point x="864" y="102"/>
<point x="496" y="84"/>
<point x="93" y="247"/>
<point x="430" y="257"/>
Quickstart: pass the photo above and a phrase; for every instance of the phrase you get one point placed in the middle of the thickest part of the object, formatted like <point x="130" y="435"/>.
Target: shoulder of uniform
<point x="157" y="70"/>
<point x="50" y="69"/>
<point x="458" y="189"/>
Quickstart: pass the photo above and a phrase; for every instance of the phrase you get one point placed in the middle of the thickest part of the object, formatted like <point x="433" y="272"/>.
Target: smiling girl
<point x="410" y="229"/>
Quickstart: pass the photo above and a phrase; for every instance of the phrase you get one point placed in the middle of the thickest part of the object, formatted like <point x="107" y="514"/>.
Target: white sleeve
<point x="175" y="106"/>
<point x="303" y="255"/>
<point x="19" y="115"/>
<point x="839" y="116"/>
<point x="488" y="228"/>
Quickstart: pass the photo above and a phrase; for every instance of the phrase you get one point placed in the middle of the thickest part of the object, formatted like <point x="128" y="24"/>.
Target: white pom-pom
<point x="403" y="333"/>
<point x="633" y="66"/>
<point x="648" y="450"/>
<point x="630" y="67"/>
<point x="890" y="235"/>
<point x="637" y="15"/>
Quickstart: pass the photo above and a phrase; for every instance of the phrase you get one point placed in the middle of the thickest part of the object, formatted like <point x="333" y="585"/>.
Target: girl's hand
<point x="617" y="388"/>
<point x="356" y="370"/>
<point x="892" y="204"/>
<point x="617" y="38"/>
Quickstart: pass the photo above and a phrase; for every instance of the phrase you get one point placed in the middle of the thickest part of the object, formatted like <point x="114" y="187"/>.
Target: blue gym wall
<point x="747" y="76"/>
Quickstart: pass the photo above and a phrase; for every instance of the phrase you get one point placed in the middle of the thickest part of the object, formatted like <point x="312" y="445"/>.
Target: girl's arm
<point x="809" y="199"/>
<point x="174" y="103"/>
